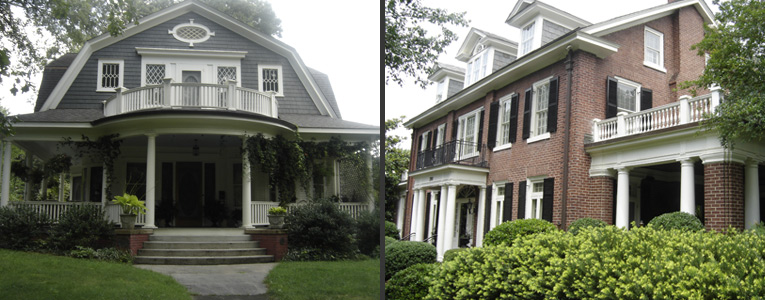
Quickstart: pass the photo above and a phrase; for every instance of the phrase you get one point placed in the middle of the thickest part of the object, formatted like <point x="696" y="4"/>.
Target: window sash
<point x="541" y="96"/>
<point x="653" y="47"/>
<point x="154" y="73"/>
<point x="227" y="73"/>
<point x="270" y="80"/>
<point x="110" y="75"/>
<point x="504" y="131"/>
<point x="626" y="97"/>
<point x="527" y="38"/>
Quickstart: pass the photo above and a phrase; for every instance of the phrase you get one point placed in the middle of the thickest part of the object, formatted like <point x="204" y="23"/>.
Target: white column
<point x="103" y="185"/>
<point x="5" y="193"/>
<point x="441" y="223"/>
<point x="493" y="211"/>
<point x="451" y="209"/>
<point x="413" y="220"/>
<point x="422" y="210"/>
<point x="151" y="160"/>
<point x="400" y="214"/>
<point x="370" y="190"/>
<point x="623" y="198"/>
<point x="28" y="184"/>
<point x="751" y="194"/>
<point x="480" y="216"/>
<point x="246" y="188"/>
<point x="432" y="219"/>
<point x="687" y="187"/>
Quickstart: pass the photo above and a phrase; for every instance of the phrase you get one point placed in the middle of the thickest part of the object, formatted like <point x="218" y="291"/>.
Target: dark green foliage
<point x="758" y="228"/>
<point x="389" y="240"/>
<point x="396" y="164"/>
<point x="582" y="223"/>
<point x="452" y="253"/>
<point x="21" y="228"/>
<point x="81" y="226"/>
<point x="402" y="254"/>
<point x="677" y="220"/>
<point x="508" y="232"/>
<point x="391" y="230"/>
<point x="105" y="254"/>
<point x="319" y="229"/>
<point x="411" y="283"/>
<point x="368" y="232"/>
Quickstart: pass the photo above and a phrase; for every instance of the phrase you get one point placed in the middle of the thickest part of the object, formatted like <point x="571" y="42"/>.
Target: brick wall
<point x="724" y="196"/>
<point x="132" y="239"/>
<point x="274" y="240"/>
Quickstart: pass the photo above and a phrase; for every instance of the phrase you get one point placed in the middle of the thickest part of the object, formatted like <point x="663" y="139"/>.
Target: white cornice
<point x="626" y="21"/>
<point x="190" y="53"/>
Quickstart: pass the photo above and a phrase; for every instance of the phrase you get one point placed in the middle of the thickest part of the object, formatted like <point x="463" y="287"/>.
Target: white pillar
<point x="413" y="220"/>
<point x="493" y="211"/>
<point x="751" y="194"/>
<point x="432" y="219"/>
<point x="480" y="216"/>
<point x="441" y="222"/>
<point x="400" y="214"/>
<point x="422" y="210"/>
<point x="451" y="209"/>
<point x="687" y="187"/>
<point x="370" y="190"/>
<point x="246" y="188"/>
<point x="28" y="184"/>
<point x="151" y="160"/>
<point x="5" y="193"/>
<point x="623" y="198"/>
<point x="103" y="185"/>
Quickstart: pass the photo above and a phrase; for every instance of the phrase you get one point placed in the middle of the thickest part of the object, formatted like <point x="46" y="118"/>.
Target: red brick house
<point x="575" y="120"/>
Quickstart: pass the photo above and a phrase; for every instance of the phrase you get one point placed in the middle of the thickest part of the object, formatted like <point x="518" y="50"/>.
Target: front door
<point x="189" y="191"/>
<point x="463" y="235"/>
<point x="191" y="93"/>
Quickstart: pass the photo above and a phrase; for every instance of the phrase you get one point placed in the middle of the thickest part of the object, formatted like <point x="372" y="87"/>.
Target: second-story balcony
<point x="192" y="95"/>
<point x="454" y="152"/>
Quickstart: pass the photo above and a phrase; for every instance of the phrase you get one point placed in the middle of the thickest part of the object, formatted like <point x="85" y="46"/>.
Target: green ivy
<point x="105" y="149"/>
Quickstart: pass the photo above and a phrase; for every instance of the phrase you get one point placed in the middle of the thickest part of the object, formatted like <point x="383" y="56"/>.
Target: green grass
<point x="26" y="275"/>
<point x="325" y="280"/>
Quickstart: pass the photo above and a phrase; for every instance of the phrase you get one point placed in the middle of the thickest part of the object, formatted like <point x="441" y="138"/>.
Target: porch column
<point x="623" y="198"/>
<point x="246" y="188"/>
<point x="493" y="213"/>
<point x="422" y="210"/>
<point x="450" y="215"/>
<point x="751" y="194"/>
<point x="480" y="216"/>
<point x="441" y="223"/>
<point x="6" y="189"/>
<point x="400" y="213"/>
<point x="370" y="190"/>
<point x="413" y="219"/>
<point x="432" y="220"/>
<point x="28" y="184"/>
<point x="687" y="187"/>
<point x="151" y="160"/>
<point x="103" y="186"/>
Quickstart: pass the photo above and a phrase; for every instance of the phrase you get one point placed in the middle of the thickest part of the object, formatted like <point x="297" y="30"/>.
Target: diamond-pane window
<point x="191" y="33"/>
<point x="226" y="73"/>
<point x="154" y="74"/>
<point x="110" y="75"/>
<point x="270" y="80"/>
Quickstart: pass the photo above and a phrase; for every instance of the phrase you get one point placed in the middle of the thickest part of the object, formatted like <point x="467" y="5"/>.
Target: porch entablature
<point x="449" y="174"/>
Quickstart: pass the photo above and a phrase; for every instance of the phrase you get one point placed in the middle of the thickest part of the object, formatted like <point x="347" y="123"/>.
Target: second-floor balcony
<point x="454" y="152"/>
<point x="192" y="95"/>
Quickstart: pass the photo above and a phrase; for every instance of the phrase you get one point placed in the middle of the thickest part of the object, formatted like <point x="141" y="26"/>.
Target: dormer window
<point x="109" y="74"/>
<point x="477" y="67"/>
<point x="440" y="90"/>
<point x="527" y="39"/>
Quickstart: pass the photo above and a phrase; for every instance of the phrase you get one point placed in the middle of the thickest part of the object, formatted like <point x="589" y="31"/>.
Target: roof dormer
<point x="448" y="79"/>
<point x="540" y="23"/>
<point x="485" y="53"/>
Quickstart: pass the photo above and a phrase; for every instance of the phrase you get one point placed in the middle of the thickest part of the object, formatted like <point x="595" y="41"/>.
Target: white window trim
<point x="533" y="124"/>
<point x="121" y="76"/>
<point x="637" y="86"/>
<point x="279" y="73"/>
<point x="461" y="132"/>
<point x="496" y="213"/>
<point x="530" y="194"/>
<point x="660" y="65"/>
<point x="500" y="120"/>
<point x="191" y="23"/>
<point x="440" y="135"/>
<point x="441" y="89"/>
<point x="536" y="41"/>
<point x="178" y="61"/>
<point x="469" y="79"/>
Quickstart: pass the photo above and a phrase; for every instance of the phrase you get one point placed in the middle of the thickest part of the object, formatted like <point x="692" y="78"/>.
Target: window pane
<point x="226" y="73"/>
<point x="538" y="187"/>
<point x="527" y="38"/>
<point x="154" y="74"/>
<point x="533" y="208"/>
<point x="626" y="97"/>
<point x="110" y="75"/>
<point x="505" y="124"/>
<point x="542" y="93"/>
<point x="270" y="80"/>
<point x="501" y="191"/>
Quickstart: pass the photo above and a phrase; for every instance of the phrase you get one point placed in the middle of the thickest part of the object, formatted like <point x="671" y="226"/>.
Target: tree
<point x="396" y="163"/>
<point x="409" y="50"/>
<point x="736" y="49"/>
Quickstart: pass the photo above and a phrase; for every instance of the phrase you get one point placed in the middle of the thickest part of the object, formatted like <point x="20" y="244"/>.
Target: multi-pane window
<point x="154" y="74"/>
<point x="627" y="96"/>
<point x="654" y="48"/>
<point x="535" y="198"/>
<point x="424" y="141"/>
<point x="527" y="39"/>
<point x="499" y="199"/>
<point x="109" y="75"/>
<point x="270" y="80"/>
<point x="541" y="96"/>
<point x="440" y="90"/>
<point x="226" y="73"/>
<point x="440" y="135"/>
<point x="467" y="133"/>
<point x="504" y="121"/>
<point x="476" y="68"/>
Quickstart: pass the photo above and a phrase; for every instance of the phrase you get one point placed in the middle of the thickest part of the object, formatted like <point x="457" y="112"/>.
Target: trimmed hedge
<point x="609" y="263"/>
<point x="22" y="228"/>
<point x="677" y="220"/>
<point x="402" y="254"/>
<point x="507" y="232"/>
<point x="368" y="233"/>
<point x="411" y="283"/>
<point x="452" y="253"/>
<point x="84" y="226"/>
<point x="319" y="230"/>
<point x="391" y="230"/>
<point x="582" y="223"/>
<point x="389" y="240"/>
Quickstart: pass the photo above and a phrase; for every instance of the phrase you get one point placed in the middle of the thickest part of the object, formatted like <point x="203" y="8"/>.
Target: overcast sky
<point x="490" y="15"/>
<point x="337" y="37"/>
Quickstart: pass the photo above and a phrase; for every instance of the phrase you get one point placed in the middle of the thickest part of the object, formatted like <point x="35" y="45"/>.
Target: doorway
<point x="189" y="190"/>
<point x="191" y="93"/>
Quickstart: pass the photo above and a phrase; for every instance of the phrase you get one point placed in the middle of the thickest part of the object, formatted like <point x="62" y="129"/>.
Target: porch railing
<point x="687" y="110"/>
<point x="192" y="95"/>
<point x="454" y="152"/>
<point x="260" y="210"/>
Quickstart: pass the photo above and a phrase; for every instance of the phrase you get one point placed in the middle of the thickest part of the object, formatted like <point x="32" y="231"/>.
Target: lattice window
<point x="110" y="75"/>
<point x="154" y="74"/>
<point x="226" y="73"/>
<point x="270" y="80"/>
<point x="191" y="33"/>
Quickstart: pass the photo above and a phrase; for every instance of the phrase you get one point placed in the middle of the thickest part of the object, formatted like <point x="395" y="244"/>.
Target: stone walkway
<point x="225" y="282"/>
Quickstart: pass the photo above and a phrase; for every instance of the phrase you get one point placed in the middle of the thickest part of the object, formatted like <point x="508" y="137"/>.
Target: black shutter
<point x="507" y="206"/>
<point x="646" y="99"/>
<point x="611" y="91"/>
<point x="487" y="209"/>
<point x="552" y="106"/>
<point x="521" y="200"/>
<point x="419" y="144"/>
<point x="480" y="132"/>
<point x="526" y="114"/>
<point x="493" y="118"/>
<point x="513" y="118"/>
<point x="547" y="199"/>
<point x="430" y="140"/>
<point x="455" y="124"/>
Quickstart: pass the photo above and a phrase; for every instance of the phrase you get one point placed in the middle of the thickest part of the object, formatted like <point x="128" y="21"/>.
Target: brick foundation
<point x="274" y="240"/>
<point x="132" y="240"/>
<point x="723" y="196"/>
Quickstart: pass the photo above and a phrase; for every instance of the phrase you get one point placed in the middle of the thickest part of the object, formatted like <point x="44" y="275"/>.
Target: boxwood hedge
<point x="507" y="232"/>
<point x="400" y="255"/>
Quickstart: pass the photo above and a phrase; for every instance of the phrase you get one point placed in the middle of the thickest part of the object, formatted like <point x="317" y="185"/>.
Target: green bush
<point x="402" y="254"/>
<point x="758" y="228"/>
<point x="21" y="228"/>
<point x="391" y="230"/>
<point x="677" y="220"/>
<point x="452" y="253"/>
<point x="368" y="233"/>
<point x="84" y="226"/>
<point x="389" y="240"/>
<point x="507" y="232"/>
<point x="105" y="254"/>
<point x="609" y="263"/>
<point x="319" y="230"/>
<point x="584" y="223"/>
<point x="411" y="283"/>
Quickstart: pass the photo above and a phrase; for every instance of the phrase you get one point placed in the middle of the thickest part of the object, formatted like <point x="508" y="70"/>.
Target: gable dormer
<point x="484" y="53"/>
<point x="540" y="23"/>
<point x="448" y="81"/>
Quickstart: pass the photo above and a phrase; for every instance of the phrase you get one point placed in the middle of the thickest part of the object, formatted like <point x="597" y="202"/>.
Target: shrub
<point x="582" y="223"/>
<point x="452" y="253"/>
<point x="411" y="283"/>
<point x="368" y="233"/>
<point x="320" y="230"/>
<point x="758" y="228"/>
<point x="21" y="228"/>
<point x="402" y="254"/>
<point x="507" y="232"/>
<point x="389" y="240"/>
<point x="81" y="226"/>
<point x="677" y="220"/>
<point x="391" y="230"/>
<point x="105" y="254"/>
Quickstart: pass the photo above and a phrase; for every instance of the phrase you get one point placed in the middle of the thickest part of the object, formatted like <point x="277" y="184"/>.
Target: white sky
<point x="338" y="37"/>
<point x="490" y="15"/>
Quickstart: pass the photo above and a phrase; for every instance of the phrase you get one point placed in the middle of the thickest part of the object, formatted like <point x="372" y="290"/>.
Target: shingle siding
<point x="501" y="59"/>
<point x="454" y="87"/>
<point x="551" y="31"/>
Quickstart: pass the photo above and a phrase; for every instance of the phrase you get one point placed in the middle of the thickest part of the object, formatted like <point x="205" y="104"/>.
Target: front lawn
<point x="26" y="275"/>
<point x="325" y="280"/>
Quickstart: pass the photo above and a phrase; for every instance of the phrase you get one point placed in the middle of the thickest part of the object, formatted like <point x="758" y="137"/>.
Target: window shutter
<point x="480" y="132"/>
<point x="455" y="124"/>
<point x="513" y="118"/>
<point x="419" y="144"/>
<point x="646" y="99"/>
<point x="547" y="198"/>
<point x="552" y="106"/>
<point x="493" y="119"/>
<point x="611" y="91"/>
<point x="430" y="140"/>
<point x="527" y="114"/>
<point x="521" y="200"/>
<point x="487" y="209"/>
<point x="507" y="207"/>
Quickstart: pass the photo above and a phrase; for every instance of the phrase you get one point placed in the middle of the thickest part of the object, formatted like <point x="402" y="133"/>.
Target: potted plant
<point x="276" y="217"/>
<point x="131" y="207"/>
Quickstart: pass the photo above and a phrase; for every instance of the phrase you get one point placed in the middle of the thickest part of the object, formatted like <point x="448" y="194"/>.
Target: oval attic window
<point x="191" y="33"/>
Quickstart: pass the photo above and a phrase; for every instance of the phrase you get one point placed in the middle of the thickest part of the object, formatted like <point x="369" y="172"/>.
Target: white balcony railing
<point x="687" y="110"/>
<point x="192" y="95"/>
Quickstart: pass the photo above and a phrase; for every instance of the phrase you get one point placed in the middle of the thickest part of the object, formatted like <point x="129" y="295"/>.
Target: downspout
<point x="566" y="138"/>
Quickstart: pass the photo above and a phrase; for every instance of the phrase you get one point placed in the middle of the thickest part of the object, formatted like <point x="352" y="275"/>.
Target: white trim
<point x="120" y="75"/>
<point x="637" y="87"/>
<point x="440" y="135"/>
<point x="279" y="74"/>
<point x="191" y="23"/>
<point x="461" y="132"/>
<point x="530" y="194"/>
<point x="533" y="137"/>
<point x="629" y="20"/>
<point x="658" y="66"/>
<point x="190" y="53"/>
<point x="538" y="138"/>
<point x="505" y="100"/>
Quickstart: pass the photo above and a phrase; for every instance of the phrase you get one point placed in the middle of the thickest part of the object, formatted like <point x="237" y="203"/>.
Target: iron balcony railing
<point x="454" y="152"/>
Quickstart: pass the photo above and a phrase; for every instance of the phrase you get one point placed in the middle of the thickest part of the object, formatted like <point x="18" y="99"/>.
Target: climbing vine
<point x="105" y="149"/>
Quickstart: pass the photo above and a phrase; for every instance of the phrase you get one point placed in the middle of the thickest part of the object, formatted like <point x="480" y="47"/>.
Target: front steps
<point x="201" y="250"/>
